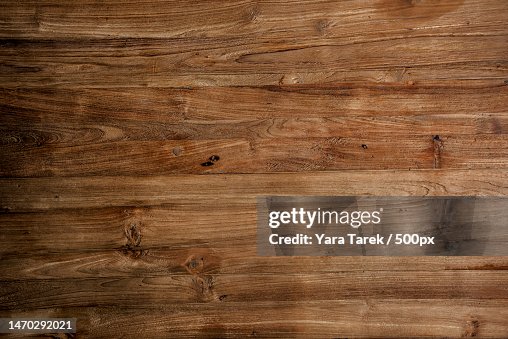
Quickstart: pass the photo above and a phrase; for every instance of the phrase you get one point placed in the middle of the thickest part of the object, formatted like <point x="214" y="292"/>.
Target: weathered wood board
<point x="112" y="211"/>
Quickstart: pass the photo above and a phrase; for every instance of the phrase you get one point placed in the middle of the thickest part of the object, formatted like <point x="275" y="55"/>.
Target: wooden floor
<point x="112" y="212"/>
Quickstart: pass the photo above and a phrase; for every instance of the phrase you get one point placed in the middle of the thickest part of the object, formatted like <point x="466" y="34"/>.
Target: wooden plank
<point x="201" y="259"/>
<point x="18" y="195"/>
<point x="237" y="62"/>
<point x="262" y="155"/>
<point x="41" y="152"/>
<point x="25" y="134"/>
<point x="359" y="318"/>
<point x="191" y="288"/>
<point x="176" y="229"/>
<point x="91" y="115"/>
<point x="221" y="18"/>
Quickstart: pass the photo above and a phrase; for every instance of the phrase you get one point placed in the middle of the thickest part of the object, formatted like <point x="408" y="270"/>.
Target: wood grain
<point x="364" y="318"/>
<point x="198" y="62"/>
<point x="139" y="106"/>
<point x="65" y="263"/>
<point x="257" y="156"/>
<point x="112" y="211"/>
<point x="175" y="228"/>
<point x="52" y="193"/>
<point x="83" y="132"/>
<point x="250" y="43"/>
<point x="294" y="19"/>
<point x="177" y="289"/>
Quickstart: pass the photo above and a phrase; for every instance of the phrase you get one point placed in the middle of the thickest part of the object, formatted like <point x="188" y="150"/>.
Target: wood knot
<point x="289" y="79"/>
<point x="177" y="151"/>
<point x="132" y="248"/>
<point x="200" y="261"/>
<point x="204" y="287"/>
<point x="322" y="26"/>
<point x="133" y="235"/>
<point x="213" y="159"/>
<point x="195" y="264"/>
<point x="471" y="329"/>
<point x="437" y="150"/>
<point x="252" y="14"/>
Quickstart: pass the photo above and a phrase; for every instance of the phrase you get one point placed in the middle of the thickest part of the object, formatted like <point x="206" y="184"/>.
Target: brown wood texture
<point x="112" y="212"/>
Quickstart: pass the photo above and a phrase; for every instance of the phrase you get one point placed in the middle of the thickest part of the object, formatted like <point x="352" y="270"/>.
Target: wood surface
<point x="112" y="212"/>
